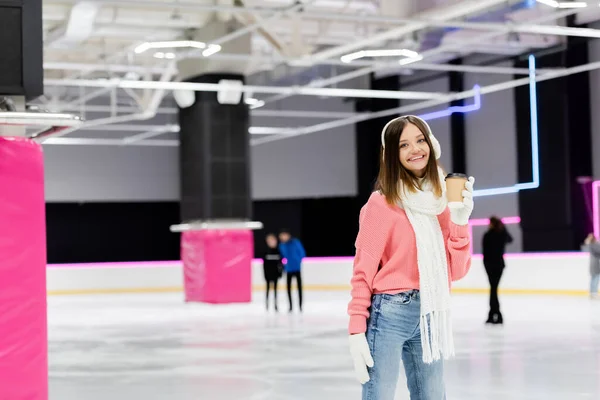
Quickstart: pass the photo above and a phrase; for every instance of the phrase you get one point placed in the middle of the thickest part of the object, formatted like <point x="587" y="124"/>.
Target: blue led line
<point x="535" y="157"/>
<point x="455" y="109"/>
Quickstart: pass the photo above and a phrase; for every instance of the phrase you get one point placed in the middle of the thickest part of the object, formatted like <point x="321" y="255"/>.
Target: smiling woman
<point x="411" y="244"/>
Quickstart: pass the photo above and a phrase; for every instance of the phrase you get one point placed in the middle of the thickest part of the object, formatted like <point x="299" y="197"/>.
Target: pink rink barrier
<point x="23" y="332"/>
<point x="217" y="265"/>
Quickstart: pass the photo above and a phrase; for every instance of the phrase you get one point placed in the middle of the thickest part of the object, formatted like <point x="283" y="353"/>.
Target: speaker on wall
<point x="21" y="41"/>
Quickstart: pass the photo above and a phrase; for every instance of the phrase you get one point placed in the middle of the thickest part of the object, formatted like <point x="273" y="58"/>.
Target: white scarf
<point x="422" y="209"/>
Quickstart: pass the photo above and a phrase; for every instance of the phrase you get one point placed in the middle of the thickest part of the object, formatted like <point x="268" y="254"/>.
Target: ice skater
<point x="494" y="244"/>
<point x="411" y="244"/>
<point x="591" y="245"/>
<point x="272" y="267"/>
<point x="292" y="250"/>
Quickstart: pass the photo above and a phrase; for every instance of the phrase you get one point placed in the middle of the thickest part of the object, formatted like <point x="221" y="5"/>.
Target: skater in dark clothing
<point x="272" y="266"/>
<point x="494" y="244"/>
<point x="293" y="251"/>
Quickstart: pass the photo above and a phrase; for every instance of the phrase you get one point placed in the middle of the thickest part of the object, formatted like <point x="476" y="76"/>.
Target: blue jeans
<point x="594" y="284"/>
<point x="393" y="333"/>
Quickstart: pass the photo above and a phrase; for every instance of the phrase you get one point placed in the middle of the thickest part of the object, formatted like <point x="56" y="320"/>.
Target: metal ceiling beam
<point x="122" y="68"/>
<point x="69" y="141"/>
<point x="441" y="13"/>
<point x="89" y="67"/>
<point x="426" y="104"/>
<point x="214" y="87"/>
<point x="358" y="17"/>
<point x="255" y="113"/>
<point x="455" y="46"/>
<point x="130" y="128"/>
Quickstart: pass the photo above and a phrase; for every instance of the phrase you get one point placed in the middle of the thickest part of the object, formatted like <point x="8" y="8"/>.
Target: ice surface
<point x="155" y="346"/>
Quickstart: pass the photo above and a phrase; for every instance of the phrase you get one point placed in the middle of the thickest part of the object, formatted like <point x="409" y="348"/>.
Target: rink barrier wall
<point x="565" y="273"/>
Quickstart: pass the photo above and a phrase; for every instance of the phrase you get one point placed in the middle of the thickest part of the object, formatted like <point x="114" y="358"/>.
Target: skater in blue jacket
<point x="292" y="250"/>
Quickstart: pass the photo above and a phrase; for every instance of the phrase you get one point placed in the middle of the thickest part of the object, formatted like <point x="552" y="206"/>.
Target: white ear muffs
<point x="437" y="149"/>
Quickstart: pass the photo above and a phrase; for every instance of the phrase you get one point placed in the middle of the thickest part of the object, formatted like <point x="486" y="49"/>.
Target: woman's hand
<point x="460" y="212"/>
<point x="361" y="355"/>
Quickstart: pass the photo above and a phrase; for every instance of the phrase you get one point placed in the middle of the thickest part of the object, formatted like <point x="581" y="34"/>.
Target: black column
<point x="553" y="216"/>
<point x="457" y="123"/>
<point x="579" y="126"/>
<point x="214" y="157"/>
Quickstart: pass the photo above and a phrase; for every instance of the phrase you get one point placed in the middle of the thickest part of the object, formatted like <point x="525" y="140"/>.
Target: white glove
<point x="461" y="211"/>
<point x="361" y="355"/>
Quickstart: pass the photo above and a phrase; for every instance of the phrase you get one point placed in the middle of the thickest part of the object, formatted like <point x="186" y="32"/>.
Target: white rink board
<point x="560" y="273"/>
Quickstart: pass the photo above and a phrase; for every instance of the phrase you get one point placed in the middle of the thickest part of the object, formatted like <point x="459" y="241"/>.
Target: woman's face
<point x="414" y="150"/>
<point x="271" y="241"/>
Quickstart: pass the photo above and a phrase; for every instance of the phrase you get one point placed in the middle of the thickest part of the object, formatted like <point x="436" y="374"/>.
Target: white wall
<point x="491" y="143"/>
<point x="111" y="173"/>
<point x="317" y="165"/>
<point x="531" y="273"/>
<point x="321" y="164"/>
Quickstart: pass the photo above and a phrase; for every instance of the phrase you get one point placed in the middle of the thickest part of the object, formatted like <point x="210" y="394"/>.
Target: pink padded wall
<point x="23" y="333"/>
<point x="217" y="265"/>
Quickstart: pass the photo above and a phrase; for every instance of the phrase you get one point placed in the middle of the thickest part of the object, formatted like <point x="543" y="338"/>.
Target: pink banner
<point x="23" y="333"/>
<point x="217" y="265"/>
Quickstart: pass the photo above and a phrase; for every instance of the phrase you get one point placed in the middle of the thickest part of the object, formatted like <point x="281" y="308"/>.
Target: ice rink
<point x="154" y="346"/>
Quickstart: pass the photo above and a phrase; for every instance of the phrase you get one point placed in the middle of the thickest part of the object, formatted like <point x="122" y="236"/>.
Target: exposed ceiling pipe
<point x="77" y="29"/>
<point x="438" y="13"/>
<point x="69" y="141"/>
<point x="89" y="67"/>
<point x="215" y="87"/>
<point x="312" y="15"/>
<point x="362" y="117"/>
<point x="149" y="113"/>
<point x="196" y="6"/>
<point x="324" y="82"/>
<point x="453" y="46"/>
<point x="249" y="19"/>
<point x="430" y="103"/>
<point x="255" y="113"/>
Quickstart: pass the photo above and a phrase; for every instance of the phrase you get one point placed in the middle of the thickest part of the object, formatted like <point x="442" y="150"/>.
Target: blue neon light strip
<point x="456" y="109"/>
<point x="535" y="157"/>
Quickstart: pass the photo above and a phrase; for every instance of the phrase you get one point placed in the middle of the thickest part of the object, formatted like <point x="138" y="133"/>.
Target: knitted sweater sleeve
<point x="458" y="247"/>
<point x="373" y="233"/>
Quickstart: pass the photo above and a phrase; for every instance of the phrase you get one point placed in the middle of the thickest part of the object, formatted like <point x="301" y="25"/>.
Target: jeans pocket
<point x="403" y="298"/>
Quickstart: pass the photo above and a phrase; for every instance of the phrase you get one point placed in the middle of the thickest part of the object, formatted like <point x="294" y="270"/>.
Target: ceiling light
<point x="550" y="3"/>
<point x="379" y="53"/>
<point x="406" y="61"/>
<point x="168" y="56"/>
<point x="209" y="49"/>
<point x="572" y="4"/>
<point x="267" y="130"/>
<point x="212" y="49"/>
<point x="254" y="103"/>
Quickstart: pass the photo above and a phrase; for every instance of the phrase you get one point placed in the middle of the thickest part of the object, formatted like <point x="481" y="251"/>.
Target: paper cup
<point x="455" y="184"/>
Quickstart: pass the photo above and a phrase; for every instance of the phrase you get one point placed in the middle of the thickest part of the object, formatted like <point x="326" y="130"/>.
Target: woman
<point x="592" y="245"/>
<point x="411" y="244"/>
<point x="272" y="267"/>
<point x="494" y="243"/>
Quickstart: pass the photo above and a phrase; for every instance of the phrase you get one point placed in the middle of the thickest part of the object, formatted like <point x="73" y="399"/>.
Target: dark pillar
<point x="579" y="125"/>
<point x="553" y="215"/>
<point x="457" y="123"/>
<point x="214" y="157"/>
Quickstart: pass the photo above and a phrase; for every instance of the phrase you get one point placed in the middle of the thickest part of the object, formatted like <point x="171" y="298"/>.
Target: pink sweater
<point x="386" y="237"/>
